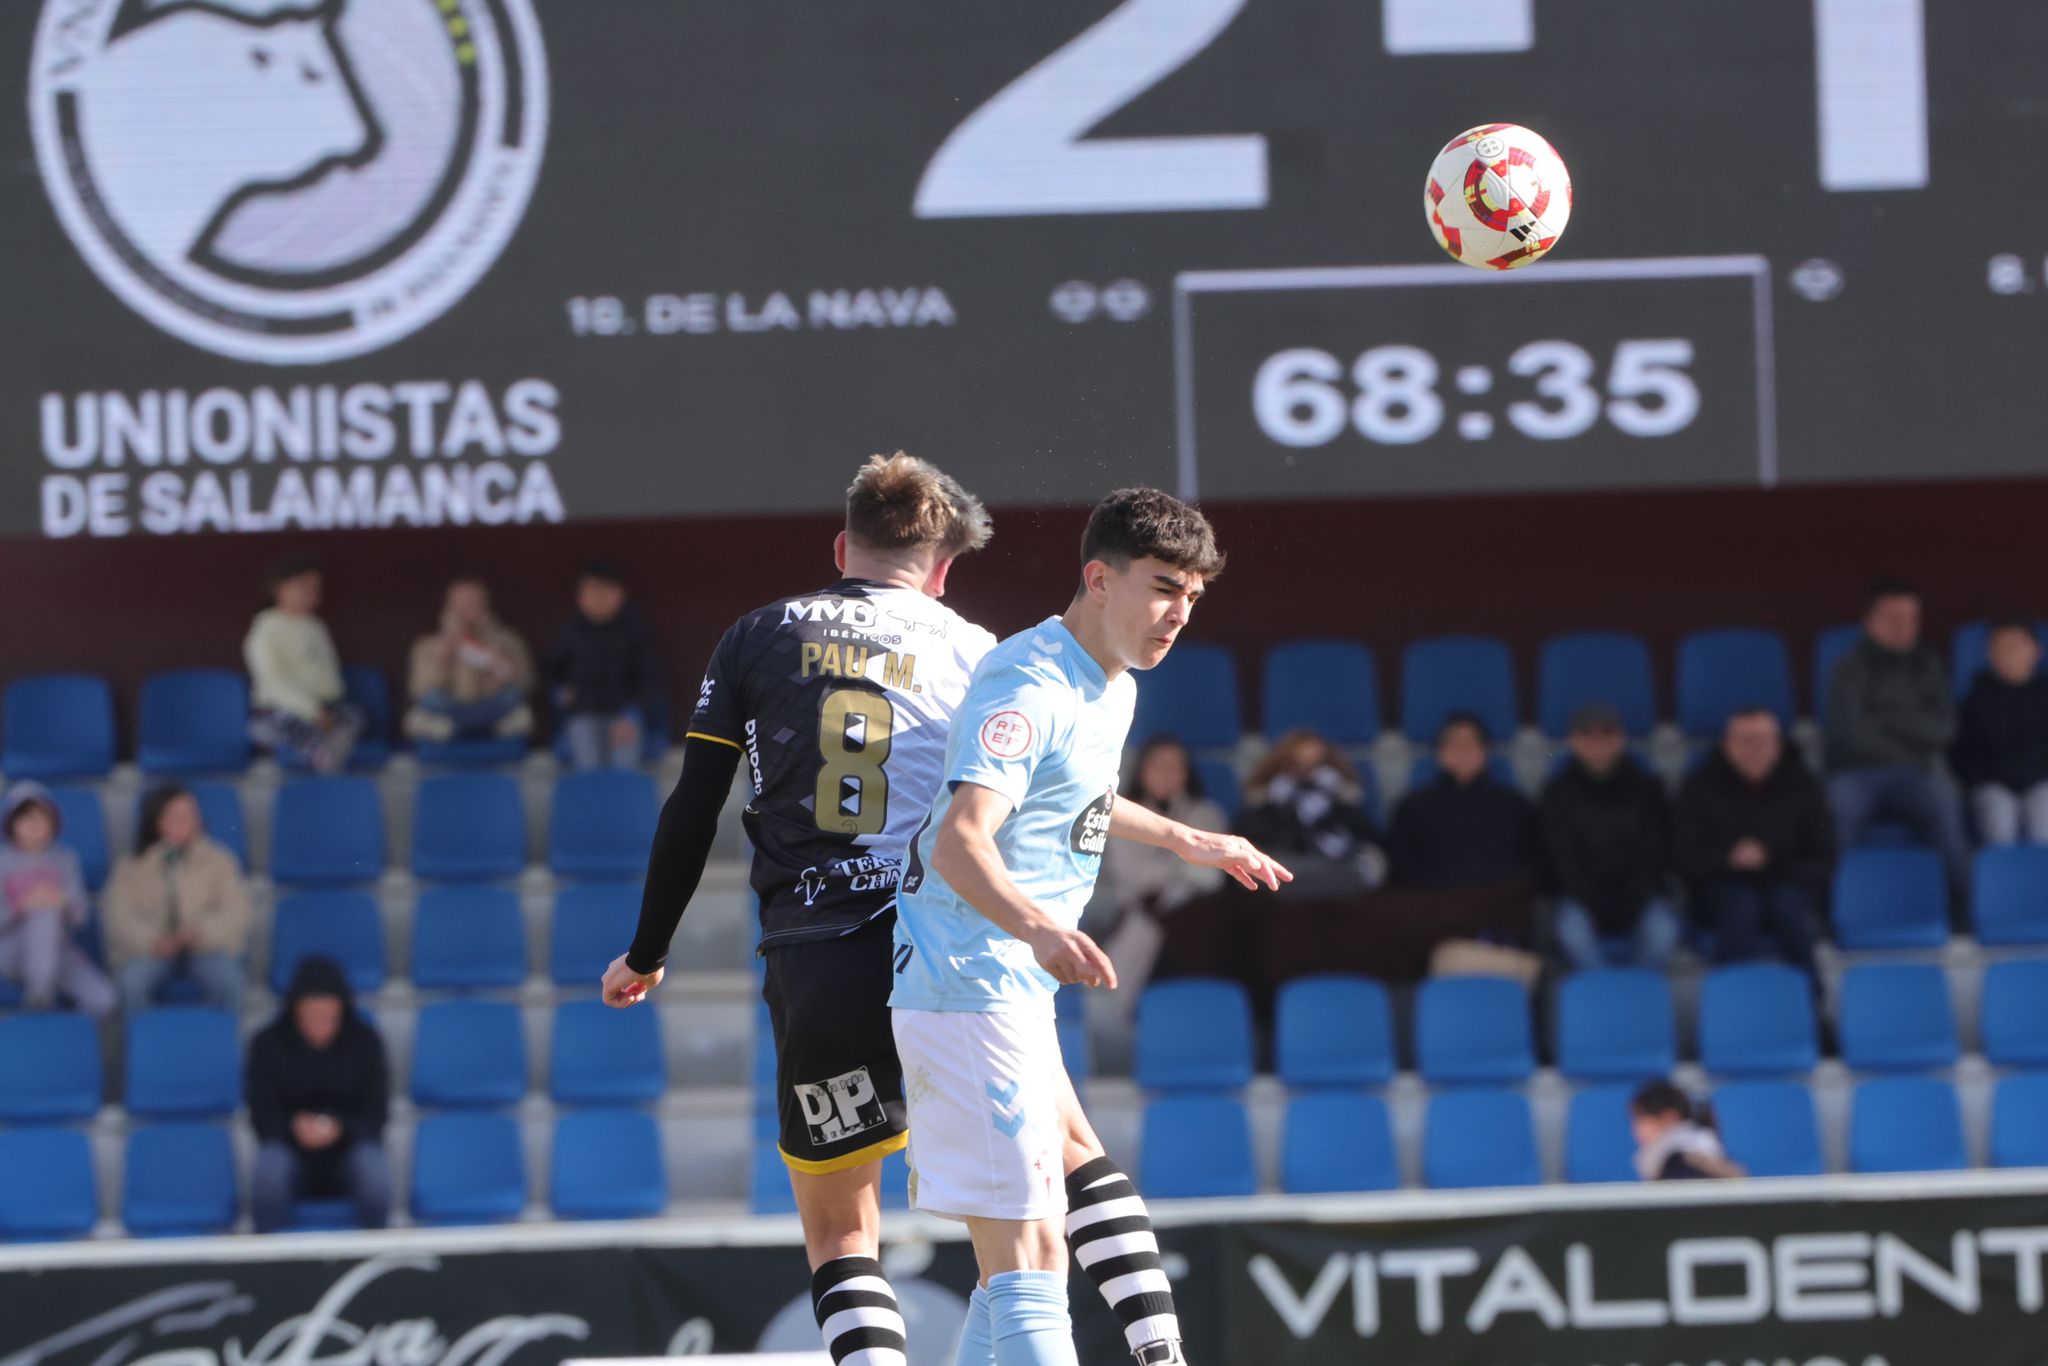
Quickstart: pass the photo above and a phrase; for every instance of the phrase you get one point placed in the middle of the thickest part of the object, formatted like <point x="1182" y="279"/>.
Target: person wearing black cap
<point x="1608" y="826"/>
<point x="603" y="672"/>
<point x="318" y="1092"/>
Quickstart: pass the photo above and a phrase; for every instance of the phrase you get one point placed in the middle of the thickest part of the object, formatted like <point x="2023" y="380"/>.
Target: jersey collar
<point x="1078" y="661"/>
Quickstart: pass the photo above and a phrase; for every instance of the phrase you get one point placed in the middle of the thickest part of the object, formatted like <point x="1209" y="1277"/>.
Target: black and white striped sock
<point x="857" y="1313"/>
<point x="1111" y="1237"/>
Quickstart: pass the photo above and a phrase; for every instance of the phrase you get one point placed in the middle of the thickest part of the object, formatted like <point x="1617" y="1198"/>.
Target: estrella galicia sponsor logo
<point x="841" y="1107"/>
<point x="289" y="183"/>
<point x="1090" y="834"/>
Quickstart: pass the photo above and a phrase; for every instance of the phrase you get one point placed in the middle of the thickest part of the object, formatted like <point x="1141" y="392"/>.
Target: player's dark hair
<point x="604" y="571"/>
<point x="1463" y="718"/>
<point x="285" y="568"/>
<point x="1748" y="709"/>
<point x="1135" y="524"/>
<point x="1889" y="586"/>
<point x="899" y="502"/>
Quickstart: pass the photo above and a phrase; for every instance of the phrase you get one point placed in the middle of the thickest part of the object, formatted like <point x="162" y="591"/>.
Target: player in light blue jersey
<point x="988" y="916"/>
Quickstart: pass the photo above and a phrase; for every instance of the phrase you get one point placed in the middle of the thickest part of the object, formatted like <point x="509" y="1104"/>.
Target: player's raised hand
<point x="1071" y="956"/>
<point x="1236" y="856"/>
<point x="625" y="987"/>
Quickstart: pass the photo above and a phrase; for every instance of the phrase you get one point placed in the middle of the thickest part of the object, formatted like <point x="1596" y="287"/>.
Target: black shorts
<point x="838" y="1085"/>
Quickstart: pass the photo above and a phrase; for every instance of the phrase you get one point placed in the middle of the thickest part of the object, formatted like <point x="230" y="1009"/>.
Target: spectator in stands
<point x="2001" y="750"/>
<point x="604" y="673"/>
<point x="469" y="680"/>
<point x="178" y="908"/>
<point x="1306" y="806"/>
<point x="1890" y="719"/>
<point x="318" y="1090"/>
<point x="1675" y="1136"/>
<point x="1755" y="843"/>
<point x="1147" y="885"/>
<point x="1607" y="823"/>
<point x="42" y="900"/>
<point x="298" y="707"/>
<point x="1466" y="829"/>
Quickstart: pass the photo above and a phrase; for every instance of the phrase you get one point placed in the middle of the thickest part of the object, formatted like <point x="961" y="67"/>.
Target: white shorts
<point x="982" y="1094"/>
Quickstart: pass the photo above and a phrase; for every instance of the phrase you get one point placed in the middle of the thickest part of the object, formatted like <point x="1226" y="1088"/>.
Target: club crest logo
<point x="289" y="183"/>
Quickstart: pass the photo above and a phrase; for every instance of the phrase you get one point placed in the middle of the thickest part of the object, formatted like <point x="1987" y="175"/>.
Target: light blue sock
<point x="977" y="1335"/>
<point x="1028" y="1311"/>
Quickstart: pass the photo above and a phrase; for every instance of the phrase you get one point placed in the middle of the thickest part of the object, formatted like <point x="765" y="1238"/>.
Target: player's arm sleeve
<point x="682" y="843"/>
<point x="721" y="713"/>
<point x="1006" y="725"/>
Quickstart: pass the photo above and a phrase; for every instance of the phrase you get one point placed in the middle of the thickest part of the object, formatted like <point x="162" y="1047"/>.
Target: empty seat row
<point x="185" y="1062"/>
<point x="180" y="1178"/>
<point x="1332" y="685"/>
<point x="1619" y="1024"/>
<point x="1339" y="1141"/>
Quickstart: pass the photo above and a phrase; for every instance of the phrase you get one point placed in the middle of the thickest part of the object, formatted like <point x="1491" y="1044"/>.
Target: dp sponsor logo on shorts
<point x="289" y="183"/>
<point x="842" y="1107"/>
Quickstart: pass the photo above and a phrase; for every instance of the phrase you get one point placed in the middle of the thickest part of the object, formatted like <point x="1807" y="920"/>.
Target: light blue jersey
<point x="1045" y="727"/>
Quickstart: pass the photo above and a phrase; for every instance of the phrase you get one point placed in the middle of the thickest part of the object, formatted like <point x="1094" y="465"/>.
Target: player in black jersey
<point x="839" y="701"/>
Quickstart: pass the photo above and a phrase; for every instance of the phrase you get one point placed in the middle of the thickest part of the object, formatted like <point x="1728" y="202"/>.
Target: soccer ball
<point x="1498" y="196"/>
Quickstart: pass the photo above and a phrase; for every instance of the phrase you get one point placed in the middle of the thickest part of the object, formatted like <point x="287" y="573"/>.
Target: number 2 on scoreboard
<point x="1027" y="152"/>
<point x="854" y="731"/>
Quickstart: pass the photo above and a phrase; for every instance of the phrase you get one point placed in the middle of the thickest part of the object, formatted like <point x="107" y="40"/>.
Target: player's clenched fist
<point x="625" y="987"/>
<point x="1071" y="956"/>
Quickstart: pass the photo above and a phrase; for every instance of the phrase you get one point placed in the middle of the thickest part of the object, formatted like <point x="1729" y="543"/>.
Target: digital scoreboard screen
<point x="298" y="266"/>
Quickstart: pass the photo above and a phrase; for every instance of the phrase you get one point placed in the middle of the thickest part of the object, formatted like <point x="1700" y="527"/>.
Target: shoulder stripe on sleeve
<point x="714" y="739"/>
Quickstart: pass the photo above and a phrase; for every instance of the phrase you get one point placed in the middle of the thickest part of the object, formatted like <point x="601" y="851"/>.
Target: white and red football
<point x="1498" y="196"/>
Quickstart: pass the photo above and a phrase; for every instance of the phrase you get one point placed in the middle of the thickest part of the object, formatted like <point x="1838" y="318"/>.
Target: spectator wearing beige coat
<point x="469" y="680"/>
<point x="178" y="907"/>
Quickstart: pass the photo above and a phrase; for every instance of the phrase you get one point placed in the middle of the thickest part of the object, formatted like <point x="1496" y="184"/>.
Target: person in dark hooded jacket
<point x="1465" y="829"/>
<point x="604" y="673"/>
<point x="2001" y="749"/>
<point x="1756" y="843"/>
<point x="318" y="1092"/>
<point x="1608" y="825"/>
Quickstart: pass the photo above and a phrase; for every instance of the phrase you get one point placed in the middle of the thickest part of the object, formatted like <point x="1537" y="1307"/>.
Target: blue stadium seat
<point x="1595" y="666"/>
<point x="338" y="924"/>
<point x="1075" y="1050"/>
<point x="1194" y="1035"/>
<point x="1757" y="1019"/>
<point x="57" y="726"/>
<point x="1473" y="1030"/>
<point x="1333" y="1031"/>
<point x="761" y="1070"/>
<point x="50" y="1068"/>
<point x="1770" y="1128"/>
<point x="1446" y="674"/>
<point x="327" y="832"/>
<point x="466" y="937"/>
<point x="1338" y="1141"/>
<point x="193" y="721"/>
<point x="1615" y="1024"/>
<point x="1192" y="695"/>
<point x="1479" y="1138"/>
<point x="2014" y="1013"/>
<point x="469" y="827"/>
<point x="601" y="823"/>
<point x="1972" y="648"/>
<point x="2019" y="1121"/>
<point x="469" y="1053"/>
<point x="1828" y="648"/>
<point x="1719" y="671"/>
<point x="768" y="1189"/>
<point x="220" y="811"/>
<point x="47" y="1191"/>
<point x="84" y="823"/>
<point x="365" y="685"/>
<point x="1424" y="770"/>
<point x="178" y="1180"/>
<point x="1329" y="686"/>
<point x="486" y="752"/>
<point x="604" y="1056"/>
<point x="1906" y="1124"/>
<point x="1598" y="1144"/>
<point x="1896" y="1017"/>
<point x="592" y="924"/>
<point x="1220" y="785"/>
<point x="468" y="1168"/>
<point x="183" y="1062"/>
<point x="1195" y="1147"/>
<point x="607" y="1164"/>
<point x="2009" y="895"/>
<point x="1890" y="899"/>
